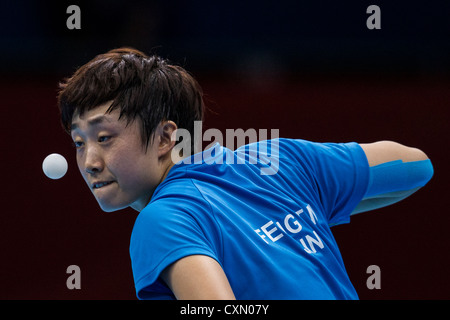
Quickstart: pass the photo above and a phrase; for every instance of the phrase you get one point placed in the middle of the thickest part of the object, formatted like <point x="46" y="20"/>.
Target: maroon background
<point x="310" y="69"/>
<point x="47" y="225"/>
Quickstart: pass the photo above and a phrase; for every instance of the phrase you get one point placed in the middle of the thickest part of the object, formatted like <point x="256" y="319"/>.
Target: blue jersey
<point x="263" y="213"/>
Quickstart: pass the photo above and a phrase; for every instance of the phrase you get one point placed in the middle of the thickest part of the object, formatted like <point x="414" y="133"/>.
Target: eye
<point x="78" y="144"/>
<point x="104" y="138"/>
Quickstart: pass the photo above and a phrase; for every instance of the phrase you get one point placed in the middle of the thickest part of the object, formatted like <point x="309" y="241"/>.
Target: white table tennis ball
<point x="54" y="166"/>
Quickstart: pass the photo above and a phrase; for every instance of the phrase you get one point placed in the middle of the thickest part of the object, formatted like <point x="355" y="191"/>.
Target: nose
<point x="93" y="162"/>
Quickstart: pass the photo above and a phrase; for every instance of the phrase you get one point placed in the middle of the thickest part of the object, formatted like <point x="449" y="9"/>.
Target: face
<point x="117" y="168"/>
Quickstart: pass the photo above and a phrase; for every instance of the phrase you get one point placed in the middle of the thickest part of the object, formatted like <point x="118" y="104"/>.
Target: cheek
<point x="134" y="170"/>
<point x="81" y="167"/>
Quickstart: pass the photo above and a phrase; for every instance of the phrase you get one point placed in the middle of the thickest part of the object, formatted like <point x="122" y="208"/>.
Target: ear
<point x="166" y="143"/>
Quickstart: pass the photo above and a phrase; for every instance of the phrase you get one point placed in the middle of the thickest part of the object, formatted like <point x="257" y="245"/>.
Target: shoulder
<point x="312" y="154"/>
<point x="307" y="148"/>
<point x="177" y="197"/>
<point x="178" y="214"/>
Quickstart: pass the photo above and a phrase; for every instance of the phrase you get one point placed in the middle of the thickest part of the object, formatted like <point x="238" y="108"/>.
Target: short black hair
<point x="143" y="87"/>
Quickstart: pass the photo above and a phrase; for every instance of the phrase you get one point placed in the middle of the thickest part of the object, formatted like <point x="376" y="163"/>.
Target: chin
<point x="108" y="207"/>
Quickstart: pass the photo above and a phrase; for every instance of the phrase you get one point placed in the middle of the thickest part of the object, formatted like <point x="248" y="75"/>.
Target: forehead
<point x="94" y="117"/>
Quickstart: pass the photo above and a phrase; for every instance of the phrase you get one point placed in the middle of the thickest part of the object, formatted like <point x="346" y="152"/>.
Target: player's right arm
<point x="197" y="277"/>
<point x="396" y="172"/>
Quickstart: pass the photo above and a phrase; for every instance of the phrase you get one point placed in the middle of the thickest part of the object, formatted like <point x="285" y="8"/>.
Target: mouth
<point x="100" y="184"/>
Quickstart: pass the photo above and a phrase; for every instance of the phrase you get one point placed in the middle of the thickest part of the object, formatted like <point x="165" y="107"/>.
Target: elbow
<point x="418" y="155"/>
<point x="405" y="153"/>
<point x="420" y="169"/>
<point x="398" y="176"/>
<point x="406" y="168"/>
<point x="425" y="171"/>
<point x="421" y="165"/>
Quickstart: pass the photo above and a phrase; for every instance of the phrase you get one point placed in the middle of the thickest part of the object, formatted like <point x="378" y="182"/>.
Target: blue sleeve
<point x="338" y="173"/>
<point x="167" y="230"/>
<point x="398" y="176"/>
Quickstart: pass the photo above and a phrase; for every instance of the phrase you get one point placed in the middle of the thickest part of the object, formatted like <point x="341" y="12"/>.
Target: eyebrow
<point x="91" y="122"/>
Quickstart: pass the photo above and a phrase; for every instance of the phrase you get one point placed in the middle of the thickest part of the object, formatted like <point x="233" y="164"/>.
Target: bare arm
<point x="197" y="277"/>
<point x="383" y="152"/>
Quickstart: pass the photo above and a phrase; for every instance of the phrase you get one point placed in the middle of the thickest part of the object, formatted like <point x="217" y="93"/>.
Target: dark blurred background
<point x="313" y="70"/>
